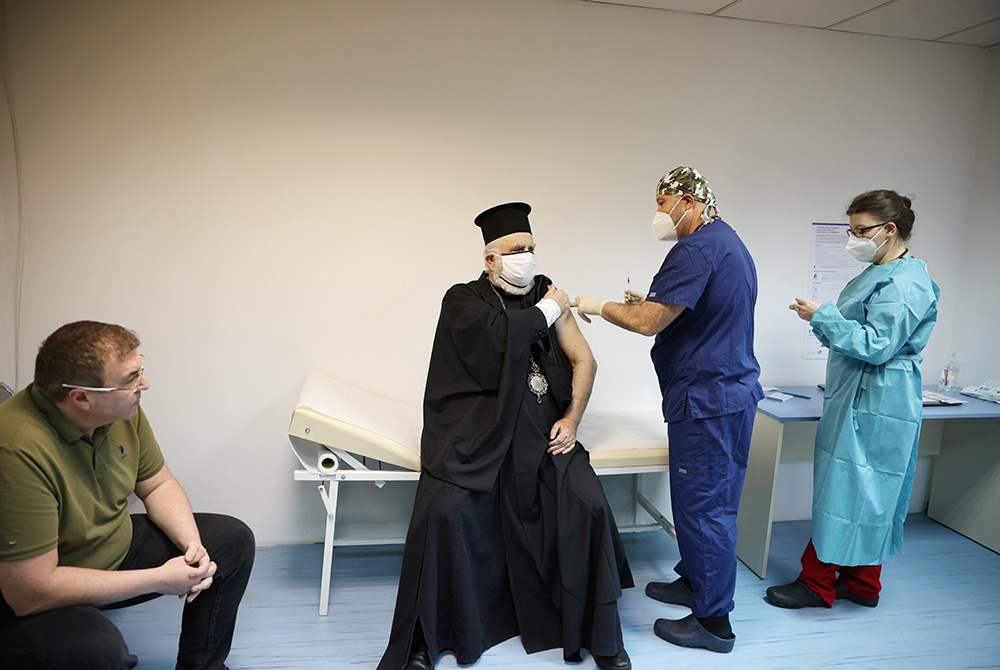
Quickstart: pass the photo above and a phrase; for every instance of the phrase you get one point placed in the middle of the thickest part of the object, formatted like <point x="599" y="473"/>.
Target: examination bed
<point x="342" y="433"/>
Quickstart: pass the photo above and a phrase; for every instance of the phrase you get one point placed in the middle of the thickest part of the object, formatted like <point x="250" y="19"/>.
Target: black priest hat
<point x="511" y="217"/>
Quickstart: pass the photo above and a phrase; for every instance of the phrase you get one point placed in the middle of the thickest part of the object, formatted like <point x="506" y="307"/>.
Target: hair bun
<point x="885" y="205"/>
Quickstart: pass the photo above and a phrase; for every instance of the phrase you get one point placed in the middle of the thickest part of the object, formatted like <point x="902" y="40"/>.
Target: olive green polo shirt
<point x="62" y="488"/>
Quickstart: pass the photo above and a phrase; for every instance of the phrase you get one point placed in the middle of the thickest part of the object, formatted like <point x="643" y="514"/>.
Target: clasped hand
<point x="189" y="574"/>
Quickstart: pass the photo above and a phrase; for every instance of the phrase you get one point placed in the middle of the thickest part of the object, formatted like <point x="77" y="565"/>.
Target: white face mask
<point x="518" y="269"/>
<point x="663" y="225"/>
<point x="863" y="249"/>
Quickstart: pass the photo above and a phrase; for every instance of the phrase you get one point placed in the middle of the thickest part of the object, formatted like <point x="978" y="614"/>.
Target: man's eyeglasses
<point x="132" y="387"/>
<point x="860" y="232"/>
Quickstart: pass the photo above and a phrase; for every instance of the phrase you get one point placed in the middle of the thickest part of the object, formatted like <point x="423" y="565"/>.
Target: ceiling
<point x="972" y="22"/>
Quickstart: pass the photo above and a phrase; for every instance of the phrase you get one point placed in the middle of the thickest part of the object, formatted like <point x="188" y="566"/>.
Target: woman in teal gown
<point x="866" y="441"/>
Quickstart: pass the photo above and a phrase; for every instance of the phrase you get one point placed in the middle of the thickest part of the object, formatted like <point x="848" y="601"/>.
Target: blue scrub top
<point x="704" y="359"/>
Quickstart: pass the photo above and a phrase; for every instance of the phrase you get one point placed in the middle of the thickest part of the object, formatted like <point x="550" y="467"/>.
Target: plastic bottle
<point x="948" y="381"/>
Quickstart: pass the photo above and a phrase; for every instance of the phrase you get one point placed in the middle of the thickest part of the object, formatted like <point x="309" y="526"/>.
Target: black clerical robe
<point x="505" y="539"/>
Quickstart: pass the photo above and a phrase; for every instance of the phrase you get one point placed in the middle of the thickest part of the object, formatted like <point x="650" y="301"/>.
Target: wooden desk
<point x="965" y="487"/>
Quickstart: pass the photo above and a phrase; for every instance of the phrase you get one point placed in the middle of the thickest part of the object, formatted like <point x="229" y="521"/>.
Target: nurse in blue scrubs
<point x="700" y="308"/>
<point x="866" y="441"/>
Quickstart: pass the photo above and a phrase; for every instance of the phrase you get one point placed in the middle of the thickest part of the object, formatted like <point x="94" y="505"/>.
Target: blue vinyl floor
<point x="940" y="608"/>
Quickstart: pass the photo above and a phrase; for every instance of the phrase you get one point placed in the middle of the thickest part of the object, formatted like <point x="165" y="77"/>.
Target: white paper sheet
<point x="830" y="268"/>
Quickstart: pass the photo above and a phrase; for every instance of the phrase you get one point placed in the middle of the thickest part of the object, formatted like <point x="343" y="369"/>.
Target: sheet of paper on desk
<point x="778" y="395"/>
<point x="932" y="399"/>
<point x="985" y="391"/>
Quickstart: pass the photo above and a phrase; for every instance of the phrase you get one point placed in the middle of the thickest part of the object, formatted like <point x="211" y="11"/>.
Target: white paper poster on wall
<point x="830" y="268"/>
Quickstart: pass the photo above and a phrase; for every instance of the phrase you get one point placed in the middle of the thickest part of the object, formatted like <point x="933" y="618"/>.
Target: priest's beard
<point x="509" y="289"/>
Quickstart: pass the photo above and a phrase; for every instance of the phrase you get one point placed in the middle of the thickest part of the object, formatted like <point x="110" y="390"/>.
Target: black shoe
<point x="419" y="658"/>
<point x="619" y="661"/>
<point x="794" y="596"/>
<point x="844" y="594"/>
<point x="687" y="632"/>
<point x="673" y="593"/>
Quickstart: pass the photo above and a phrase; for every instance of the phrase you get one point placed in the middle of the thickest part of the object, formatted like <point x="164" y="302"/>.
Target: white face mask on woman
<point x="863" y="249"/>
<point x="663" y="224"/>
<point x="518" y="269"/>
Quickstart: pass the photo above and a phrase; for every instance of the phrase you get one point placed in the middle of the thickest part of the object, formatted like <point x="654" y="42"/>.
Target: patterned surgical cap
<point x="685" y="179"/>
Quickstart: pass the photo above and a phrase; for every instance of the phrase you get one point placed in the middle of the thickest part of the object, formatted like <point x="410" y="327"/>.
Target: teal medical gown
<point x="866" y="441"/>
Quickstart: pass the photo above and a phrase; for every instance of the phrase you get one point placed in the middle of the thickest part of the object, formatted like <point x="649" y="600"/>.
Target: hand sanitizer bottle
<point x="948" y="381"/>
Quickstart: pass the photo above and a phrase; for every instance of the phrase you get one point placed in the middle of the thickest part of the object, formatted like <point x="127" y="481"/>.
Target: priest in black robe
<point x="511" y="532"/>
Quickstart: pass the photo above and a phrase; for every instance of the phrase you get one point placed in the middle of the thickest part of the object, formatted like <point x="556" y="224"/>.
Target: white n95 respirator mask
<point x="863" y="249"/>
<point x="663" y="225"/>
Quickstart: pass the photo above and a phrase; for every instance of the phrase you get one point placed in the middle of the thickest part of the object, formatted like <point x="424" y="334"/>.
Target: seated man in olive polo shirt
<point x="73" y="445"/>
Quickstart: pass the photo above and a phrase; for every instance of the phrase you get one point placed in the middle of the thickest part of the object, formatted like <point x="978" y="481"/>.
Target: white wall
<point x="263" y="188"/>
<point x="978" y="325"/>
<point x="9" y="245"/>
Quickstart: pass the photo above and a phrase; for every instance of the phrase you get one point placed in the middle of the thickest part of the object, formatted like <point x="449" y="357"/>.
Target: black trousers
<point x="81" y="638"/>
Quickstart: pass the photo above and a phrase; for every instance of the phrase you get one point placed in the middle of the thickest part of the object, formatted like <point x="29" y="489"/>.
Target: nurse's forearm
<point x="647" y="318"/>
<point x="864" y="341"/>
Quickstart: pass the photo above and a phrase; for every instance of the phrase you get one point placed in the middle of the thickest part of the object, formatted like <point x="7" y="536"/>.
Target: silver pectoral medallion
<point x="537" y="383"/>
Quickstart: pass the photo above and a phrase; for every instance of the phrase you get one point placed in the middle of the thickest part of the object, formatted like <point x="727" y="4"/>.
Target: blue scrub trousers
<point x="708" y="460"/>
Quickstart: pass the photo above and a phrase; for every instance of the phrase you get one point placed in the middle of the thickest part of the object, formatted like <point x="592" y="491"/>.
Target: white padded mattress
<point x="337" y="414"/>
